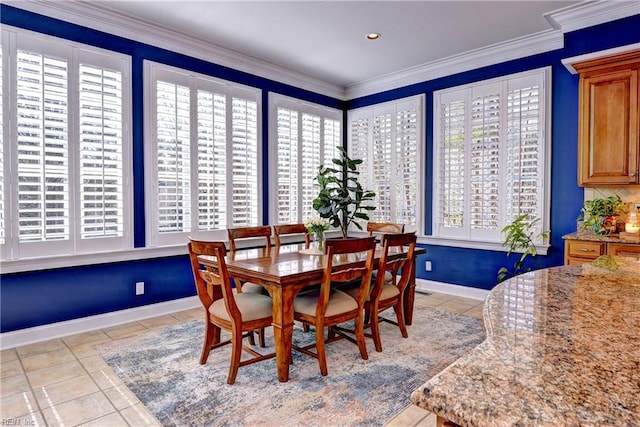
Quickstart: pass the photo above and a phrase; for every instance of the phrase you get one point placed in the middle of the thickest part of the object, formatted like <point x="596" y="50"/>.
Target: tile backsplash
<point x="627" y="194"/>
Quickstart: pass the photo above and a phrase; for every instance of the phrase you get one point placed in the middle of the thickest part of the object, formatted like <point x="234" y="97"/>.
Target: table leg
<point x="283" y="329"/>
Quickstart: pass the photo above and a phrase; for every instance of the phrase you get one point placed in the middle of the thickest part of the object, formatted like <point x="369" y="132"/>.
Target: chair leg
<point x="252" y="339"/>
<point x="236" y="352"/>
<point x="211" y="335"/>
<point x="399" y="309"/>
<point x="261" y="338"/>
<point x="359" y="321"/>
<point x="320" y="349"/>
<point x="375" y="329"/>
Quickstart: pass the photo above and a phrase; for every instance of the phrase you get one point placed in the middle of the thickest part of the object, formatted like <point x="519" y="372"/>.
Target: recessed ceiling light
<point x="373" y="36"/>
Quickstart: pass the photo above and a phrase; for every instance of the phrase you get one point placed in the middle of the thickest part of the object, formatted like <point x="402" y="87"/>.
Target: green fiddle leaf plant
<point x="520" y="236"/>
<point x="342" y="200"/>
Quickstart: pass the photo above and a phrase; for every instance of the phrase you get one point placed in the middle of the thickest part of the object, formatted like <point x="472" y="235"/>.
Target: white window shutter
<point x="244" y="153"/>
<point x="101" y="152"/>
<point x="212" y="161"/>
<point x="491" y="156"/>
<point x="42" y="140"/>
<point x="173" y="157"/>
<point x="306" y="135"/>
<point x="387" y="138"/>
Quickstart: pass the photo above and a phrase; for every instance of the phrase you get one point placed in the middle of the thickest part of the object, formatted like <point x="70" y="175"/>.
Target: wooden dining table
<point x="286" y="270"/>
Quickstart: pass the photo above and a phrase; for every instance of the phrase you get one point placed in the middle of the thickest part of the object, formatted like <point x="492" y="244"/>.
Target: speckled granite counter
<point x="562" y="349"/>
<point x="585" y="235"/>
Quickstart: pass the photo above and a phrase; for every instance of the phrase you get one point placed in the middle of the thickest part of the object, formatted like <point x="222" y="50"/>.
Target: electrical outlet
<point x="427" y="265"/>
<point x="139" y="288"/>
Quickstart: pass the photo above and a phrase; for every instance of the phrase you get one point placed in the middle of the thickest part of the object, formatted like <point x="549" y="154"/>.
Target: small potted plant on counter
<point x="600" y="215"/>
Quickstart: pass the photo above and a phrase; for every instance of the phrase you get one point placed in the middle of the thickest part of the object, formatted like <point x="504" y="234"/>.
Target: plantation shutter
<point x="311" y="156"/>
<point x="3" y="223"/>
<point x="42" y="143"/>
<point x="288" y="167"/>
<point x="66" y="157"/>
<point x="524" y="184"/>
<point x="387" y="139"/>
<point x="101" y="152"/>
<point x="406" y="174"/>
<point x="383" y="139"/>
<point x="173" y="157"/>
<point x="484" y="161"/>
<point x="212" y="160"/>
<point x="244" y="152"/>
<point x="490" y="156"/>
<point x="307" y="136"/>
<point x="452" y="163"/>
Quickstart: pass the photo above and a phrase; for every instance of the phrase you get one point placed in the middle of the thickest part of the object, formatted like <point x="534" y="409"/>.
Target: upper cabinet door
<point x="608" y="145"/>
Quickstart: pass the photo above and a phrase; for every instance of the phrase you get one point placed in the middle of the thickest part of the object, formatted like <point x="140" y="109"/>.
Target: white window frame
<point x="25" y="254"/>
<point x="464" y="237"/>
<point x="392" y="108"/>
<point x="277" y="101"/>
<point x="152" y="72"/>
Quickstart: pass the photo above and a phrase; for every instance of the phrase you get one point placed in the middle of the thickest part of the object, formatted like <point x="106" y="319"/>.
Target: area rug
<point x="161" y="368"/>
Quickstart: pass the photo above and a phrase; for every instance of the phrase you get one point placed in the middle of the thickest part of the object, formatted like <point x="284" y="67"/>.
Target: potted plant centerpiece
<point x="600" y="215"/>
<point x="342" y="200"/>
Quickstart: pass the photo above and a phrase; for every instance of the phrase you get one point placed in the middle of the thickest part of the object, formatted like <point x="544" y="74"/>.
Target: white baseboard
<point x="423" y="285"/>
<point x="90" y="323"/>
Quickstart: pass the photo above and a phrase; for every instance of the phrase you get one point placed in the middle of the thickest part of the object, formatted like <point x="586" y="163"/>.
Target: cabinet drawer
<point x="585" y="249"/>
<point x="621" y="249"/>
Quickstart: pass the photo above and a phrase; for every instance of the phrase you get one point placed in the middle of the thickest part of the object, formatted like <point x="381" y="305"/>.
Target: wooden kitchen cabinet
<point x="623" y="249"/>
<point x="581" y="251"/>
<point x="609" y="121"/>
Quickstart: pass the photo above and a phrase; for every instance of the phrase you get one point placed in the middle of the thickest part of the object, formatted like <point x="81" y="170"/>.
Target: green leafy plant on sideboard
<point x="600" y="215"/>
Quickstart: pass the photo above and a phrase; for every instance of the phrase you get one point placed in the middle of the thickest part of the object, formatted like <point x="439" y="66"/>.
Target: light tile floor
<point x="62" y="382"/>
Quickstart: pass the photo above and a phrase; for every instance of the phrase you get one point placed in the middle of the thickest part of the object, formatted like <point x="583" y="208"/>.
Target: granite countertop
<point x="587" y="235"/>
<point x="562" y="349"/>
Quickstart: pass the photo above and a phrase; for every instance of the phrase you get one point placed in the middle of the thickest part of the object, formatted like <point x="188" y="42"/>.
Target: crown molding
<point x="513" y="49"/>
<point x="588" y="14"/>
<point x="568" y="62"/>
<point x="101" y="18"/>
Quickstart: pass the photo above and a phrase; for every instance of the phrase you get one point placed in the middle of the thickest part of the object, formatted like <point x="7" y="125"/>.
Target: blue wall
<point x="36" y="298"/>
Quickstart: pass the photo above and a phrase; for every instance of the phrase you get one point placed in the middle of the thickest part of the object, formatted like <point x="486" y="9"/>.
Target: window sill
<point x="473" y="244"/>
<point x="46" y="263"/>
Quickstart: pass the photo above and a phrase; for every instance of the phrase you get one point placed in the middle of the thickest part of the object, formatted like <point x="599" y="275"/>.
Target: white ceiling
<point x="321" y="45"/>
<point x="326" y="39"/>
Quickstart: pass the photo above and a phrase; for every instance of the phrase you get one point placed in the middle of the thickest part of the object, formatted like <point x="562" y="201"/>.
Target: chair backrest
<point x="212" y="283"/>
<point x="384" y="228"/>
<point x="405" y="262"/>
<point x="287" y="229"/>
<point x="249" y="232"/>
<point x="335" y="275"/>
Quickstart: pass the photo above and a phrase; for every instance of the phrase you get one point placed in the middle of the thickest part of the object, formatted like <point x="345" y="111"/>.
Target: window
<point x="202" y="155"/>
<point x="66" y="148"/>
<point x="490" y="156"/>
<point x="388" y="138"/>
<point x="307" y="135"/>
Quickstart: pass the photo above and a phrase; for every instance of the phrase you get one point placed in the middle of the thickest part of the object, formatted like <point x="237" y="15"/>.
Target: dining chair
<point x="239" y="313"/>
<point x="328" y="306"/>
<point x="263" y="235"/>
<point x="245" y="233"/>
<point x="385" y="294"/>
<point x="291" y="229"/>
<point x="384" y="228"/>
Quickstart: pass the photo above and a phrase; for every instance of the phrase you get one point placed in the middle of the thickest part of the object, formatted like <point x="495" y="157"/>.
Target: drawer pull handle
<point x="587" y="250"/>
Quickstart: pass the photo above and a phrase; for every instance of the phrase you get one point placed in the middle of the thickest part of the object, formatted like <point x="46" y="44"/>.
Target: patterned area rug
<point x="161" y="368"/>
